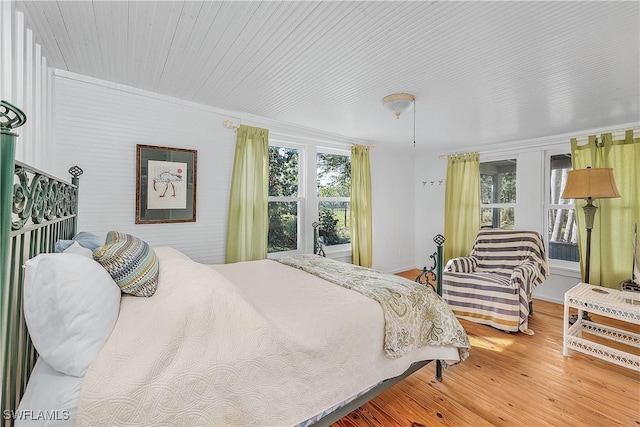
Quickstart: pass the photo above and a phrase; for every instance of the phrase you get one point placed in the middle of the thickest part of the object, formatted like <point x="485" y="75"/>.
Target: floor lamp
<point x="589" y="184"/>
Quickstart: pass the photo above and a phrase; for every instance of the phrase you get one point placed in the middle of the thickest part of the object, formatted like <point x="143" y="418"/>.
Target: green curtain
<point x="612" y="234"/>
<point x="361" y="226"/>
<point x="248" y="202"/>
<point x="461" y="204"/>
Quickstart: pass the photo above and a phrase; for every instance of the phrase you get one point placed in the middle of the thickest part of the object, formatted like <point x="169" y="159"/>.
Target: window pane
<point x="563" y="232"/>
<point x="335" y="222"/>
<point x="283" y="171"/>
<point x="334" y="175"/>
<point x="498" y="181"/>
<point x="486" y="188"/>
<point x="563" y="235"/>
<point x="283" y="227"/>
<point x="560" y="166"/>
<point x="497" y="218"/>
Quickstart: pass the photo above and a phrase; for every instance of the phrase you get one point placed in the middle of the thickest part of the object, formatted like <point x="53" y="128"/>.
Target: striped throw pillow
<point x="131" y="262"/>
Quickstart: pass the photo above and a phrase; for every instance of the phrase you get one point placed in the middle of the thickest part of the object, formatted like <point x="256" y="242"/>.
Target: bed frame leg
<point x="436" y="272"/>
<point x="439" y="241"/>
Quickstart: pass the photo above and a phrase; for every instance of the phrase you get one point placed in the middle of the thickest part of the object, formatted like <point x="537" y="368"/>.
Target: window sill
<point x="338" y="251"/>
<point x="274" y="255"/>
<point x="566" y="269"/>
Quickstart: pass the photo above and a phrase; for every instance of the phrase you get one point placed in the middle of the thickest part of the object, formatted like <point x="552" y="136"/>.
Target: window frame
<point x="513" y="205"/>
<point x="343" y="247"/>
<point x="559" y="264"/>
<point x="308" y="200"/>
<point x="301" y="198"/>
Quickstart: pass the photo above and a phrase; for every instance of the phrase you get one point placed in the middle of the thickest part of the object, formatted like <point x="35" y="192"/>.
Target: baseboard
<point x="547" y="299"/>
<point x="399" y="270"/>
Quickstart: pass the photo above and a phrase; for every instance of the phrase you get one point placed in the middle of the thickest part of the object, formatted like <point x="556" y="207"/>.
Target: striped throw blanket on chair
<point x="493" y="285"/>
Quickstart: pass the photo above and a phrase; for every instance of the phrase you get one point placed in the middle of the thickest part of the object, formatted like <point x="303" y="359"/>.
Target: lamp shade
<point x="594" y="183"/>
<point x="398" y="103"/>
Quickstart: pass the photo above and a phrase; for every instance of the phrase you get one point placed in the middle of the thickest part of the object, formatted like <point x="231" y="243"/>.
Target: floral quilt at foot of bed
<point x="414" y="315"/>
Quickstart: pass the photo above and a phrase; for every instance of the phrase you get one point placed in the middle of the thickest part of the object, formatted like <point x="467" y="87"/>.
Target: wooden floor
<point x="512" y="380"/>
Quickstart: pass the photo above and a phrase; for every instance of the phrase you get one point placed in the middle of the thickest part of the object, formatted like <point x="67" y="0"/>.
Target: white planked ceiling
<point x="482" y="72"/>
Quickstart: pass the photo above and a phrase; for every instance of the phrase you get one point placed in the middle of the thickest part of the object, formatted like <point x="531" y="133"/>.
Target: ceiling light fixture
<point x="399" y="103"/>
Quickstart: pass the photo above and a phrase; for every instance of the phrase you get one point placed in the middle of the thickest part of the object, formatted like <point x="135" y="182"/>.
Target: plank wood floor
<point x="512" y="380"/>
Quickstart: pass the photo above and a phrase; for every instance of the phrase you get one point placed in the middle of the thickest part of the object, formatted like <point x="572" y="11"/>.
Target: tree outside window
<point x="334" y="191"/>
<point x="284" y="200"/>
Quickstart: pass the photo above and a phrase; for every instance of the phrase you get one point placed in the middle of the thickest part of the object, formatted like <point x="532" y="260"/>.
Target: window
<point x="498" y="194"/>
<point x="308" y="184"/>
<point x="562" y="231"/>
<point x="334" y="191"/>
<point x="284" y="199"/>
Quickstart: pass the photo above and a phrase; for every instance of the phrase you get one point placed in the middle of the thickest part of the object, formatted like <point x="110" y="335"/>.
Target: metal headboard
<point x="36" y="210"/>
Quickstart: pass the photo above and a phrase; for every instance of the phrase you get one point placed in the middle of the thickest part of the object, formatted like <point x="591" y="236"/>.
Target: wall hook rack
<point x="432" y="182"/>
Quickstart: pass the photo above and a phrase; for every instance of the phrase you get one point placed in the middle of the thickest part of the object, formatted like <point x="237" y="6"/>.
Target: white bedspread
<point x="276" y="348"/>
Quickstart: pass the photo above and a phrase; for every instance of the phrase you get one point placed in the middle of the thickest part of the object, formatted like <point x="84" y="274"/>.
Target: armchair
<point x="493" y="285"/>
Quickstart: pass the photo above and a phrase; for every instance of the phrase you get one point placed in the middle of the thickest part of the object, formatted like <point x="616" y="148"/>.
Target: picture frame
<point x="165" y="184"/>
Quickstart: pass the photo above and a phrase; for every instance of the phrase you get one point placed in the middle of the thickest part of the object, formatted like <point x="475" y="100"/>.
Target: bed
<point x="256" y="343"/>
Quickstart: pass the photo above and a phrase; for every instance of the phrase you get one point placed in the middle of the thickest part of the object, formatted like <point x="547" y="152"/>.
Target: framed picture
<point x="165" y="184"/>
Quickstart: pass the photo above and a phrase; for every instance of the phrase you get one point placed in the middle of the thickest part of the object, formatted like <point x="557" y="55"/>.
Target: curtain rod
<point x="230" y="125"/>
<point x="546" y="140"/>
<point x="635" y="129"/>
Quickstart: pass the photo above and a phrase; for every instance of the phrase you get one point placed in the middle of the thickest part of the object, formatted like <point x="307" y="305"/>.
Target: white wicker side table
<point x="605" y="302"/>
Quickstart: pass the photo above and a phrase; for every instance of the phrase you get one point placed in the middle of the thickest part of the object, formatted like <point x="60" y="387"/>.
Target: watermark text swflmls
<point x="39" y="415"/>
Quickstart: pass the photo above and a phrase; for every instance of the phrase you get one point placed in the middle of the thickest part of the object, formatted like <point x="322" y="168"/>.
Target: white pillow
<point x="75" y="248"/>
<point x="166" y="252"/>
<point x="71" y="305"/>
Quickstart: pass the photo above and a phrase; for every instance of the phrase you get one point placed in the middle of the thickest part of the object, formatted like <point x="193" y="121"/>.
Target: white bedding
<point x="275" y="347"/>
<point x="51" y="398"/>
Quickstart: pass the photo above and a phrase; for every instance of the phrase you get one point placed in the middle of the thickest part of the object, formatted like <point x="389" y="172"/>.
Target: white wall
<point x="429" y="205"/>
<point x="393" y="209"/>
<point x="98" y="125"/>
<point x="26" y="82"/>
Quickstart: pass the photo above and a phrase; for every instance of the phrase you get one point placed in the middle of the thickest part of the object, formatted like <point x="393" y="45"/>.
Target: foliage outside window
<point x="334" y="191"/>
<point x="284" y="199"/>
<point x="562" y="230"/>
<point x="498" y="194"/>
